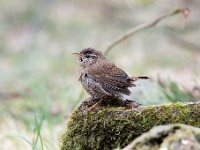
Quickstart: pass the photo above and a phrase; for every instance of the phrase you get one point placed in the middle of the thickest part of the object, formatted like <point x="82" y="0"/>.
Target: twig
<point x="138" y="28"/>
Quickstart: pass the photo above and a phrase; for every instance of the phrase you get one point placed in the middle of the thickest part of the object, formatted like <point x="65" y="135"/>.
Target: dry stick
<point x="138" y="28"/>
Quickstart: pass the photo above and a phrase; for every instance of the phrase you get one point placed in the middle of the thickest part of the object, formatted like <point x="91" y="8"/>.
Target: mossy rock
<point x="168" y="137"/>
<point x="109" y="127"/>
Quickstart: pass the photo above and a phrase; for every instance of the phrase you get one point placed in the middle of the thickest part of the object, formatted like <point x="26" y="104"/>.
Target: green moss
<point x="109" y="127"/>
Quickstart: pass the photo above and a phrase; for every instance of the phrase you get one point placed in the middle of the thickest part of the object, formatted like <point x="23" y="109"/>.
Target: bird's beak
<point x="76" y="54"/>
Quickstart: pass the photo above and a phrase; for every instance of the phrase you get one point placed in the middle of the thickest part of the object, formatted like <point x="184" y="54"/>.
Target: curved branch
<point x="141" y="27"/>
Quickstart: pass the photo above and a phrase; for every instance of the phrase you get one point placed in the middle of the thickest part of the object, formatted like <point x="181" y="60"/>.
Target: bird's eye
<point x="87" y="56"/>
<point x="81" y="59"/>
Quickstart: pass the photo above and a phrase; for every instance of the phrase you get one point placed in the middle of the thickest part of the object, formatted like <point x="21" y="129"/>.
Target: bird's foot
<point x="130" y="104"/>
<point x="91" y="103"/>
<point x="91" y="100"/>
<point x="95" y="105"/>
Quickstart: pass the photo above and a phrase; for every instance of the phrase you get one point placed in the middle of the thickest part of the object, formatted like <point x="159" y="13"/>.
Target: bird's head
<point x="89" y="56"/>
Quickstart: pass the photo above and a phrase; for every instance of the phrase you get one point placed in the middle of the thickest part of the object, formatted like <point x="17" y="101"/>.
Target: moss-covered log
<point x="110" y="127"/>
<point x="168" y="137"/>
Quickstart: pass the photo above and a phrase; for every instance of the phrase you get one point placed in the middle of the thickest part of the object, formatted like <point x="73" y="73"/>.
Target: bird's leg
<point x="91" y="103"/>
<point x="95" y="105"/>
<point x="91" y="100"/>
<point x="127" y="103"/>
<point x="131" y="104"/>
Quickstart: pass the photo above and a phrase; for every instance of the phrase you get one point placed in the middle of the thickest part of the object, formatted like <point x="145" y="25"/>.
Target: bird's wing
<point x="112" y="78"/>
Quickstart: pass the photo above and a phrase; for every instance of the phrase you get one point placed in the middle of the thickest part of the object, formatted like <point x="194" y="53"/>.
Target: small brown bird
<point x="101" y="78"/>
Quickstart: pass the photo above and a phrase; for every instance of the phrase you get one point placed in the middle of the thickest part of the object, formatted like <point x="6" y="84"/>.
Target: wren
<point x="101" y="78"/>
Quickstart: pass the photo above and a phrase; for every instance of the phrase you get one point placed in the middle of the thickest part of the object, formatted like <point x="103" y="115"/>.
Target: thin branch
<point x="139" y="28"/>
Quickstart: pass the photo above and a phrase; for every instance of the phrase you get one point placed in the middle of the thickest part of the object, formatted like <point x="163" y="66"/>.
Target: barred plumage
<point x="101" y="78"/>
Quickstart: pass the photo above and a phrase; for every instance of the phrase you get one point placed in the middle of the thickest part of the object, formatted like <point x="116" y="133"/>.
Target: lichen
<point x="107" y="127"/>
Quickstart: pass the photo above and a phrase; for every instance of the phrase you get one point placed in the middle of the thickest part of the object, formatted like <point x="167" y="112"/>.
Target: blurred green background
<point x="38" y="75"/>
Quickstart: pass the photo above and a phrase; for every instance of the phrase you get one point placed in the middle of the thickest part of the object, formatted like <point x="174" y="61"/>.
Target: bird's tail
<point x="140" y="78"/>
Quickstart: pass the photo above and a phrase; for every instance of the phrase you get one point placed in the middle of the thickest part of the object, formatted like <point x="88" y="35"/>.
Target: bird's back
<point x="111" y="78"/>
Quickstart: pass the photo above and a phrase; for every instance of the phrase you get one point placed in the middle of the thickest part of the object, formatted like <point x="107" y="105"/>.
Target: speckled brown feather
<point x="102" y="79"/>
<point x="111" y="77"/>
